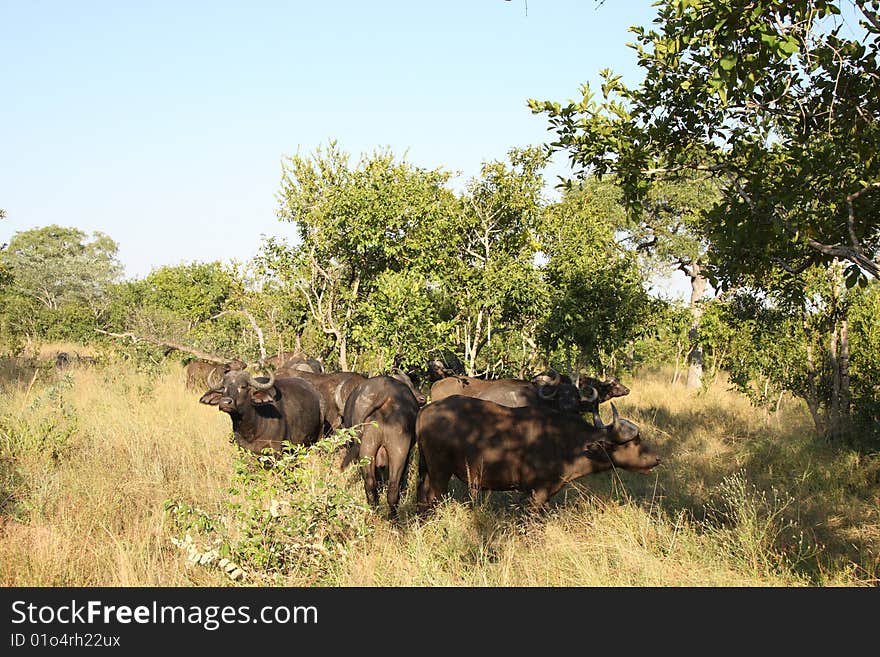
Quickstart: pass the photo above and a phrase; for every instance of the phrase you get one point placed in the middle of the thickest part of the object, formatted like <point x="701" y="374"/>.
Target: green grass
<point x="91" y="458"/>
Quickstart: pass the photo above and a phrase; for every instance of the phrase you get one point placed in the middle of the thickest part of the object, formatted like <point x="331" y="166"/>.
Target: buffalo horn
<point x="593" y="396"/>
<point x="555" y="377"/>
<point x="256" y="385"/>
<point x="547" y="392"/>
<point x="614" y="415"/>
<point x="210" y="380"/>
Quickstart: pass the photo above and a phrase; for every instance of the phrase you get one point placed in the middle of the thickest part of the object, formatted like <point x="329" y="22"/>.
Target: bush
<point x="287" y="516"/>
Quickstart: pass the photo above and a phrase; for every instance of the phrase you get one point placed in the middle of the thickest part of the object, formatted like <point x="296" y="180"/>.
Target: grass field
<point x="104" y="471"/>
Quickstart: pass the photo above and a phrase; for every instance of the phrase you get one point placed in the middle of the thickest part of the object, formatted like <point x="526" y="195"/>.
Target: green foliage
<point x="54" y="282"/>
<point x="596" y="299"/>
<point x="865" y="361"/>
<point x="492" y="279"/>
<point x="400" y="323"/>
<point x="662" y="336"/>
<point x="42" y="432"/>
<point x="766" y="347"/>
<point x="780" y="343"/>
<point x="286" y="515"/>
<point x="778" y="101"/>
<point x="355" y="223"/>
<point x="57" y="266"/>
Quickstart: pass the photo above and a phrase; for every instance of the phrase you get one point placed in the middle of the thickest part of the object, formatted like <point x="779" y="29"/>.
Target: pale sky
<point x="163" y="124"/>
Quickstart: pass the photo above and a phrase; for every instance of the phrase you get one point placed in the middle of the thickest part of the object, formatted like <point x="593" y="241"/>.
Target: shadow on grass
<point x="798" y="485"/>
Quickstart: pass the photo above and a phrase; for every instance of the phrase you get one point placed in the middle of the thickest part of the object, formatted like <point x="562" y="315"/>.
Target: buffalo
<point x="533" y="450"/>
<point x="383" y="411"/>
<point x="548" y="392"/>
<point x="608" y="389"/>
<point x="437" y="370"/>
<point x="405" y="379"/>
<point x="277" y="360"/>
<point x="198" y="371"/>
<point x="299" y="363"/>
<point x="334" y="388"/>
<point x="266" y="411"/>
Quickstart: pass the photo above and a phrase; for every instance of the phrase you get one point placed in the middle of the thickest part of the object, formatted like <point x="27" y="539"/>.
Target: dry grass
<point x="88" y="458"/>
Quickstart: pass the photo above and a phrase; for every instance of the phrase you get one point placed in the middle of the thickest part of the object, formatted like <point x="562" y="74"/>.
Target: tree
<point x="401" y="323"/>
<point x="180" y="302"/>
<point x="668" y="234"/>
<point x="56" y="265"/>
<point x="596" y="297"/>
<point x="777" y="101"/>
<point x="57" y="282"/>
<point x="491" y="278"/>
<point x="354" y="224"/>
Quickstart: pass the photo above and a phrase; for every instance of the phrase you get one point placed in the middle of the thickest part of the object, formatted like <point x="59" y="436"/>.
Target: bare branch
<point x="211" y="358"/>
<point x="795" y="270"/>
<point x="254" y="326"/>
<point x="851" y="214"/>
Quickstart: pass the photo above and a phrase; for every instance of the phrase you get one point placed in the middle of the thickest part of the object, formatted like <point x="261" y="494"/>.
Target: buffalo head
<point x="238" y="388"/>
<point x="562" y="394"/>
<point x="621" y="445"/>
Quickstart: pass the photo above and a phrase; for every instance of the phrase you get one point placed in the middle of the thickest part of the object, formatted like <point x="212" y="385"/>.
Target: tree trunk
<point x="812" y="394"/>
<point x="844" y="369"/>
<point x="839" y="356"/>
<point x="343" y="351"/>
<point x="695" y="355"/>
<point x="834" y="417"/>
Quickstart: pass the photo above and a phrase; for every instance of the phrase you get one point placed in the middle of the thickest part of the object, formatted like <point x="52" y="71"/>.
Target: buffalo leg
<point x="538" y="498"/>
<point x="398" y="459"/>
<point x="370" y="487"/>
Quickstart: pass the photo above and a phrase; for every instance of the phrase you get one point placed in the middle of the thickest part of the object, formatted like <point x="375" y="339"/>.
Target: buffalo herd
<point x="492" y="434"/>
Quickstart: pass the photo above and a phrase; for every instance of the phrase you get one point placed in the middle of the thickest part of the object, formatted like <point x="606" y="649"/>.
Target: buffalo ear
<point x="261" y="397"/>
<point x="599" y="450"/>
<point x="212" y="398"/>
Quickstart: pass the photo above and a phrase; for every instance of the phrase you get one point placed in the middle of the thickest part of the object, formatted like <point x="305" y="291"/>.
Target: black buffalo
<point x="299" y="363"/>
<point x="334" y="388"/>
<point x="266" y="411"/>
<point x="383" y="410"/>
<point x="550" y="393"/>
<point x="198" y="371"/>
<point x="533" y="450"/>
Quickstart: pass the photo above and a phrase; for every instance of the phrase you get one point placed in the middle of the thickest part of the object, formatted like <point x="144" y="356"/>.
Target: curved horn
<point x="593" y="397"/>
<point x="210" y="380"/>
<point x="547" y="392"/>
<point x="597" y="420"/>
<point x="256" y="385"/>
<point x="556" y="378"/>
<point x="615" y="415"/>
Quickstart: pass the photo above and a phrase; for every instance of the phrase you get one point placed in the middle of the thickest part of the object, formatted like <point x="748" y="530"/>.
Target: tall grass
<point x="103" y="472"/>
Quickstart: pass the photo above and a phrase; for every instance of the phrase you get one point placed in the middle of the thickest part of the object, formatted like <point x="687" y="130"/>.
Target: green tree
<point x="183" y="304"/>
<point x="865" y="368"/>
<point x="354" y="223"/>
<point x="779" y="103"/>
<point x="491" y="278"/>
<point x="401" y="323"/>
<point x="596" y="298"/>
<point x="57" y="282"/>
<point x="668" y="234"/>
<point x="55" y="265"/>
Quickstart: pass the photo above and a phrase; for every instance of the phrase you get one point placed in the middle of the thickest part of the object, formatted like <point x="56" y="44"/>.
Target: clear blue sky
<point x="163" y="124"/>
